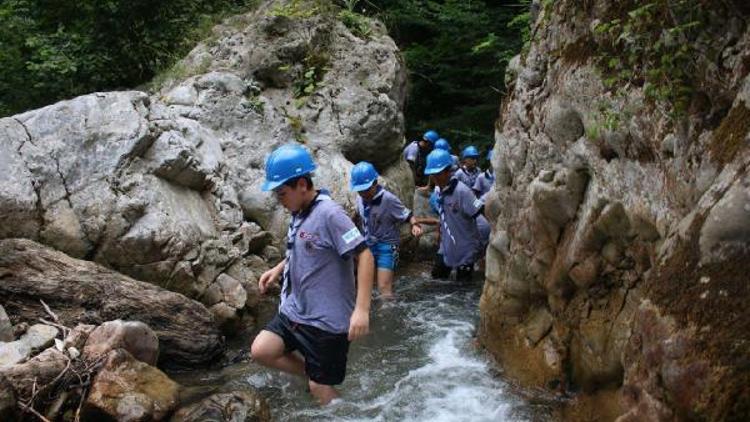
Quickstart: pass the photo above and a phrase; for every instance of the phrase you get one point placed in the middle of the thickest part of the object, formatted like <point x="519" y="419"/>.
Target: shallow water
<point x="420" y="363"/>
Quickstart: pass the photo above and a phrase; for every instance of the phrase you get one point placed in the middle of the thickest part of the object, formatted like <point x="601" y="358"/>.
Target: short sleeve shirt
<point x="323" y="291"/>
<point x="483" y="183"/>
<point x="411" y="151"/>
<point x="467" y="177"/>
<point x="460" y="240"/>
<point x="387" y="213"/>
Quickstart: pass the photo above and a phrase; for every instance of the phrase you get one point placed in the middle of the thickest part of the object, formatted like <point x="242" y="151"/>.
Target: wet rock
<point x="6" y="327"/>
<point x="237" y="406"/>
<point x="126" y="389"/>
<point x="133" y="336"/>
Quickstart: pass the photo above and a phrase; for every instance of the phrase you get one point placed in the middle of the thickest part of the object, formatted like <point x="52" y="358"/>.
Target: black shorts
<point x="324" y="352"/>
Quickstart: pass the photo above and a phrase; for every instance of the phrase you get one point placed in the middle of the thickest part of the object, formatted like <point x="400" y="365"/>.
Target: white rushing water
<point x="419" y="363"/>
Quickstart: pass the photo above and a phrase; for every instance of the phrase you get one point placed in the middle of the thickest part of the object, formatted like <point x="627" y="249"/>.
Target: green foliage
<point x="358" y="24"/>
<point x="52" y="50"/>
<point x="315" y="66"/>
<point x="653" y="45"/>
<point x="296" y="9"/>
<point x="456" y="52"/>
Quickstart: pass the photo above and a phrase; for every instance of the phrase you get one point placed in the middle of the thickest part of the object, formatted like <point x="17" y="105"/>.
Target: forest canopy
<point x="456" y="51"/>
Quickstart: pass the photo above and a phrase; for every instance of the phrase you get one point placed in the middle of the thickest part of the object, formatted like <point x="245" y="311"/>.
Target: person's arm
<point x="416" y="228"/>
<point x="430" y="221"/>
<point x="359" y="324"/>
<point x="271" y="276"/>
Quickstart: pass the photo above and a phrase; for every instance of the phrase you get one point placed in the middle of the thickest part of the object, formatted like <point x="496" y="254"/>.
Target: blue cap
<point x="442" y="144"/>
<point x="363" y="176"/>
<point x="431" y="136"/>
<point x="437" y="161"/>
<point x="287" y="162"/>
<point x="470" y="152"/>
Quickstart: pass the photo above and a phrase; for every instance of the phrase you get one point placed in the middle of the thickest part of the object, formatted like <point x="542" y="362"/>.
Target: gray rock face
<point x="161" y="187"/>
<point x="621" y="235"/>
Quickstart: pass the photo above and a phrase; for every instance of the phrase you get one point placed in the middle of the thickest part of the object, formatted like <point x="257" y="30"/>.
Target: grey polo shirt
<point x="484" y="182"/>
<point x="460" y="241"/>
<point x="467" y="177"/>
<point x="387" y="213"/>
<point x="323" y="291"/>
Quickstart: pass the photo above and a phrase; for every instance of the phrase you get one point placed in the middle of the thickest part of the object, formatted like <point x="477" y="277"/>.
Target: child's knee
<point x="261" y="352"/>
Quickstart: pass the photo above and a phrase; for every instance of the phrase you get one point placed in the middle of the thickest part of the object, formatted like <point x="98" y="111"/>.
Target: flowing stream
<point x="419" y="363"/>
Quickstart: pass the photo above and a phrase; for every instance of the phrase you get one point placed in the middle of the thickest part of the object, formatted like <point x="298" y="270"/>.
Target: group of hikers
<point x="323" y="308"/>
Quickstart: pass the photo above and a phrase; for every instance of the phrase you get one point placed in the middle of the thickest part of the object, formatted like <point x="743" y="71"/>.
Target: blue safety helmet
<point x="470" y="152"/>
<point x="431" y="136"/>
<point x="363" y="176"/>
<point x="437" y="161"/>
<point x="287" y="162"/>
<point x="442" y="144"/>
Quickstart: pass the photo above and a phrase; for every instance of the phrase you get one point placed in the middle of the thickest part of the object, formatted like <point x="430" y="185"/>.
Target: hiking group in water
<point x="323" y="307"/>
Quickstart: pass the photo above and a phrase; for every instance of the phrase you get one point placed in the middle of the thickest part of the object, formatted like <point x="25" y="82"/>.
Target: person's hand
<point x="416" y="230"/>
<point x="269" y="277"/>
<point x="359" y="324"/>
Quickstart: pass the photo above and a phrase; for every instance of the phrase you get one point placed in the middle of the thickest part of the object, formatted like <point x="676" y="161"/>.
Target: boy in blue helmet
<point x="443" y="144"/>
<point x="381" y="213"/>
<point x="460" y="243"/>
<point x="322" y="308"/>
<point x="468" y="172"/>
<point x="416" y="155"/>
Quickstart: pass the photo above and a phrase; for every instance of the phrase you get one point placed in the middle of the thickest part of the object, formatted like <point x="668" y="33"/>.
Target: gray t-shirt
<point x="460" y="241"/>
<point x="387" y="213"/>
<point x="411" y="150"/>
<point x="323" y="291"/>
<point x="467" y="177"/>
<point x="484" y="182"/>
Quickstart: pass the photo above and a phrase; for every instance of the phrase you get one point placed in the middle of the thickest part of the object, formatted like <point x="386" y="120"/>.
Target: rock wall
<point x="165" y="187"/>
<point x="621" y="227"/>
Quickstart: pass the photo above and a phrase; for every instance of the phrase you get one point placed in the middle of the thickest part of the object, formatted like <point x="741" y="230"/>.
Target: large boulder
<point x="82" y="291"/>
<point x="162" y="186"/>
<point x="621" y="220"/>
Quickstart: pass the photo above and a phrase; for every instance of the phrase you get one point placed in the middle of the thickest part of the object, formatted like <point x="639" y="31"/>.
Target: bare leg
<point x="268" y="350"/>
<point x="324" y="393"/>
<point x="385" y="283"/>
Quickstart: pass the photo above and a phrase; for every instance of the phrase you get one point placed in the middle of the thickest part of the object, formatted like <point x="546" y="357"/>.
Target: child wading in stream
<point x="381" y="213"/>
<point x="458" y="207"/>
<point x="322" y="309"/>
